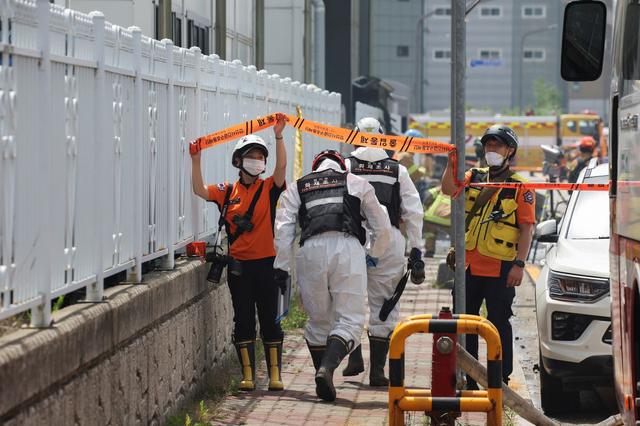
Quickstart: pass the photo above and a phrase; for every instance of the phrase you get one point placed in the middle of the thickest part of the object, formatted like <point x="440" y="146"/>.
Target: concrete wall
<point x="130" y="360"/>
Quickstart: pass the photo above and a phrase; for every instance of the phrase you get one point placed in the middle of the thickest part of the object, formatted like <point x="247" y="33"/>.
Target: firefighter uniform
<point x="491" y="243"/>
<point x="248" y="209"/>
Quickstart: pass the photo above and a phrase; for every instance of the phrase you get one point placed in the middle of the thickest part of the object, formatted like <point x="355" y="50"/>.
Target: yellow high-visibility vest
<point x="439" y="212"/>
<point x="498" y="237"/>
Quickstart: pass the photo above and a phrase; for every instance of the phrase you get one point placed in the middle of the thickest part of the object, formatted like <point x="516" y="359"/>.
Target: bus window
<point x="630" y="56"/>
<point x="571" y="125"/>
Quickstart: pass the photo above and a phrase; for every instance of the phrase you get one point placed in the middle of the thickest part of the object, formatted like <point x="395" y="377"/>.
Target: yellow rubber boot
<point x="247" y="357"/>
<point x="273" y="357"/>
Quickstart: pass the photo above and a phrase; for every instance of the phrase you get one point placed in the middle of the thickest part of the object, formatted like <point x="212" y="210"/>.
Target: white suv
<point x="573" y="305"/>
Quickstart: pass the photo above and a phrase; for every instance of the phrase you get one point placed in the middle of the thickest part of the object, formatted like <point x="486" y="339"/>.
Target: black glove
<point x="451" y="259"/>
<point x="281" y="277"/>
<point x="417" y="266"/>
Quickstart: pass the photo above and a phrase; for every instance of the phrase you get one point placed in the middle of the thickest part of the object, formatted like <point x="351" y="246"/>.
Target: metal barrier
<point x="95" y="121"/>
<point x="402" y="399"/>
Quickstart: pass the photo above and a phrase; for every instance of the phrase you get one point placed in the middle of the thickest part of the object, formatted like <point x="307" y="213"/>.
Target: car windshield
<point x="590" y="219"/>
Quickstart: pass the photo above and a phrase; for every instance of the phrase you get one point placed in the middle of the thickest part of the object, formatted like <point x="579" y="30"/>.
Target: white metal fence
<point x="95" y="122"/>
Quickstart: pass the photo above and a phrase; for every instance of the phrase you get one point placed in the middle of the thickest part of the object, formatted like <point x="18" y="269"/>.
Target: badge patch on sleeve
<point x="221" y="187"/>
<point x="528" y="197"/>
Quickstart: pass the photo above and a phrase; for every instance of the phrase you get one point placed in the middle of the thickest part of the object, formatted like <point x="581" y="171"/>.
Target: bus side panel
<point x="624" y="308"/>
<point x="616" y="318"/>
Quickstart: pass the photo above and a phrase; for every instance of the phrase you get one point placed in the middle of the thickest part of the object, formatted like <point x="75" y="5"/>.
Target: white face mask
<point x="494" y="159"/>
<point x="253" y="167"/>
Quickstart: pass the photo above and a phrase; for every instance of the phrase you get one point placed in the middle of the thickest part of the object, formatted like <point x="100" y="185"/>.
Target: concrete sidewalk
<point x="357" y="403"/>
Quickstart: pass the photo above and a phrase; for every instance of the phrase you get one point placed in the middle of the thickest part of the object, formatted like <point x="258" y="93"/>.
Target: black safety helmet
<point x="331" y="154"/>
<point x="504" y="134"/>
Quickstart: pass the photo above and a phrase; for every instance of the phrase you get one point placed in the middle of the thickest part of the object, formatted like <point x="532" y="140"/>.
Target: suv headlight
<point x="572" y="288"/>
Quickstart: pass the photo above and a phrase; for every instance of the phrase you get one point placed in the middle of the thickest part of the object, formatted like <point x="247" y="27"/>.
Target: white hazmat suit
<point x="330" y="266"/>
<point x="396" y="191"/>
<point x="383" y="278"/>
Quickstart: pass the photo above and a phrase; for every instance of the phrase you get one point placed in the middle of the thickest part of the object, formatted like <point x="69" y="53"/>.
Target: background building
<point x="227" y="28"/>
<point x="330" y="43"/>
<point x="393" y="53"/>
<point x="510" y="43"/>
<point x="324" y="42"/>
<point x="286" y="47"/>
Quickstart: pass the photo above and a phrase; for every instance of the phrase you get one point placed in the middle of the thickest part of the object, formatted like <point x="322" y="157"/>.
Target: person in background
<point x="437" y="217"/>
<point x="418" y="174"/>
<point x="586" y="148"/>
<point x="250" y="205"/>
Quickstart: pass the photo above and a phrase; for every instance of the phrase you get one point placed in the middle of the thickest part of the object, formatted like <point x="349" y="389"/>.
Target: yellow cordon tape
<point x="374" y="140"/>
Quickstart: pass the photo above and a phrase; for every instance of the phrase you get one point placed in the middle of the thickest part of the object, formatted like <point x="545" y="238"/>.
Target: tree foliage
<point x="548" y="98"/>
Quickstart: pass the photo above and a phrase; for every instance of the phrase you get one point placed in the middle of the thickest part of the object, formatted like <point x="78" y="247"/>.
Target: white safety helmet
<point x="246" y="144"/>
<point x="369" y="125"/>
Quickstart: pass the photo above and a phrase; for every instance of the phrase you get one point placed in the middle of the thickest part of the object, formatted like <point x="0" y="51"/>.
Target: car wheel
<point x="553" y="398"/>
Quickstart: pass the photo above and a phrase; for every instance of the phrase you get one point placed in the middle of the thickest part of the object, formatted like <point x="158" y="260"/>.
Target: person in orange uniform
<point x="499" y="227"/>
<point x="250" y="273"/>
<point x="586" y="147"/>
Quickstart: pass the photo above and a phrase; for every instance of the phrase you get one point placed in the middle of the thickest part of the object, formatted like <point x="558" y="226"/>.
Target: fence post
<point x="41" y="314"/>
<point x="196" y="202"/>
<point x="135" y="274"/>
<point x="168" y="261"/>
<point x="95" y="290"/>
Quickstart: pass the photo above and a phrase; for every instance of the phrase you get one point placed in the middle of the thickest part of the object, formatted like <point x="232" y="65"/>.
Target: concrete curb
<point x="134" y="357"/>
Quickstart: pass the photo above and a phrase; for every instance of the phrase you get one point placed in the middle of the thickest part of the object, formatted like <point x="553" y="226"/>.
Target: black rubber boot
<point x="355" y="365"/>
<point x="247" y="356"/>
<point x="379" y="348"/>
<point x="317" y="353"/>
<point x="273" y="357"/>
<point x="337" y="349"/>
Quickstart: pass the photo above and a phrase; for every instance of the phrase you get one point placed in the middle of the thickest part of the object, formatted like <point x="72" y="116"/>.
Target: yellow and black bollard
<point x="402" y="399"/>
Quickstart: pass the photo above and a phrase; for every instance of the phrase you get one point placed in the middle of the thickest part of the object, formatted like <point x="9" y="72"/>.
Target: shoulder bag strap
<point x="249" y="214"/>
<point x="483" y="198"/>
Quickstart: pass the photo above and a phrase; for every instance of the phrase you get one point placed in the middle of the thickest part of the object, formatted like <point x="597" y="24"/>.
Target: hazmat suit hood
<point x="369" y="154"/>
<point x="329" y="164"/>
